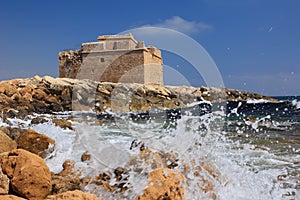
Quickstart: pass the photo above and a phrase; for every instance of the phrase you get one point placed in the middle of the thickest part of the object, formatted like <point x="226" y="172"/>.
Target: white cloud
<point x="182" y="25"/>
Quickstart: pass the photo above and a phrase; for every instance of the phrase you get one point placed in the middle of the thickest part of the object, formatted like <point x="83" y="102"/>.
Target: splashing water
<point x="222" y="156"/>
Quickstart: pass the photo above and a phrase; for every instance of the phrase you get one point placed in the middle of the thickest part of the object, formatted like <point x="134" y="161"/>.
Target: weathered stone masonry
<point x="114" y="58"/>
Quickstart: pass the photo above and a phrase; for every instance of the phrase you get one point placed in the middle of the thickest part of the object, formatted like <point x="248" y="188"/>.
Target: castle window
<point x="101" y="59"/>
<point x="115" y="46"/>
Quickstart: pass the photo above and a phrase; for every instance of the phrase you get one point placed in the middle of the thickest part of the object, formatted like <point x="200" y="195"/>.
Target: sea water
<point x="253" y="147"/>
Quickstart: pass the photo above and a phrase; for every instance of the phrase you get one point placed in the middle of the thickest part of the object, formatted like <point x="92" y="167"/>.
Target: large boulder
<point x="74" y="195"/>
<point x="164" y="183"/>
<point x="36" y="143"/>
<point x="6" y="143"/>
<point x="29" y="175"/>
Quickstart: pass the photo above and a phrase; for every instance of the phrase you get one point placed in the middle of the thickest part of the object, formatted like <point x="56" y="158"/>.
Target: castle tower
<point x="113" y="58"/>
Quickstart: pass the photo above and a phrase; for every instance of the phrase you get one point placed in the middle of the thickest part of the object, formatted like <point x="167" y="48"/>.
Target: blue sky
<point x="254" y="43"/>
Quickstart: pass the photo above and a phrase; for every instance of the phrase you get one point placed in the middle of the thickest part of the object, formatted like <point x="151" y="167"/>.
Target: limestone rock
<point x="6" y="143"/>
<point x="8" y="88"/>
<point x="47" y="94"/>
<point x="29" y="175"/>
<point x="68" y="179"/>
<point x="39" y="94"/>
<point x="39" y="120"/>
<point x="14" y="132"/>
<point x="74" y="195"/>
<point x="85" y="157"/>
<point x="36" y="143"/>
<point x="65" y="183"/>
<point x="4" y="183"/>
<point x="164" y="183"/>
<point x="63" y="123"/>
<point x="10" y="197"/>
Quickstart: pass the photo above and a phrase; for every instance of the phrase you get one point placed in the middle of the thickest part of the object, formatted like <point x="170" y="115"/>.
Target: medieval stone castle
<point x="113" y="58"/>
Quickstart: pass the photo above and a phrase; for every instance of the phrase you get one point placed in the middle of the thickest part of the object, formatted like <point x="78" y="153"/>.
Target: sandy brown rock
<point x="8" y="88"/>
<point x="10" y="197"/>
<point x="5" y="130"/>
<point x="29" y="175"/>
<point x="4" y="183"/>
<point x="68" y="179"/>
<point x="85" y="156"/>
<point x="36" y="143"/>
<point x="47" y="94"/>
<point x="164" y="183"/>
<point x="73" y="195"/>
<point x="6" y="143"/>
<point x="39" y="120"/>
<point x="62" y="123"/>
<point x="65" y="183"/>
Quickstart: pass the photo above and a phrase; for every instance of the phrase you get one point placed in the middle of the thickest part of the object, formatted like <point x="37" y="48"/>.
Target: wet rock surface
<point x="164" y="183"/>
<point x="36" y="143"/>
<point x="24" y="173"/>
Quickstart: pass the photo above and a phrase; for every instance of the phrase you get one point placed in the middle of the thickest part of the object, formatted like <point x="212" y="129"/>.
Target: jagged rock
<point x="14" y="133"/>
<point x="62" y="123"/>
<point x="36" y="143"/>
<point x="6" y="143"/>
<point x="49" y="94"/>
<point x="39" y="94"/>
<point x="29" y="175"/>
<point x="164" y="183"/>
<point x="10" y="197"/>
<point x="74" y="195"/>
<point x="8" y="89"/>
<point x="4" y="183"/>
<point x="65" y="183"/>
<point x="39" y="120"/>
<point x="68" y="179"/>
<point x="85" y="156"/>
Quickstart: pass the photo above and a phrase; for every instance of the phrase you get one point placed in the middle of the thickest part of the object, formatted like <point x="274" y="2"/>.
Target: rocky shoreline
<point x="47" y="95"/>
<point x="23" y="171"/>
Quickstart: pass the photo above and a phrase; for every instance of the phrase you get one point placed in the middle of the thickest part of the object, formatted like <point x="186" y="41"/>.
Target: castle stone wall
<point x="113" y="59"/>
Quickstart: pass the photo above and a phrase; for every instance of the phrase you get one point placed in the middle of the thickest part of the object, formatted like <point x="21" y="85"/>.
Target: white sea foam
<point x="256" y="101"/>
<point x="245" y="172"/>
<point x="296" y="103"/>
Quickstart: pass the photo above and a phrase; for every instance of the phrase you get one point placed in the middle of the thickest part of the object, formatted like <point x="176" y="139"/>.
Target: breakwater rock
<point x="21" y="97"/>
